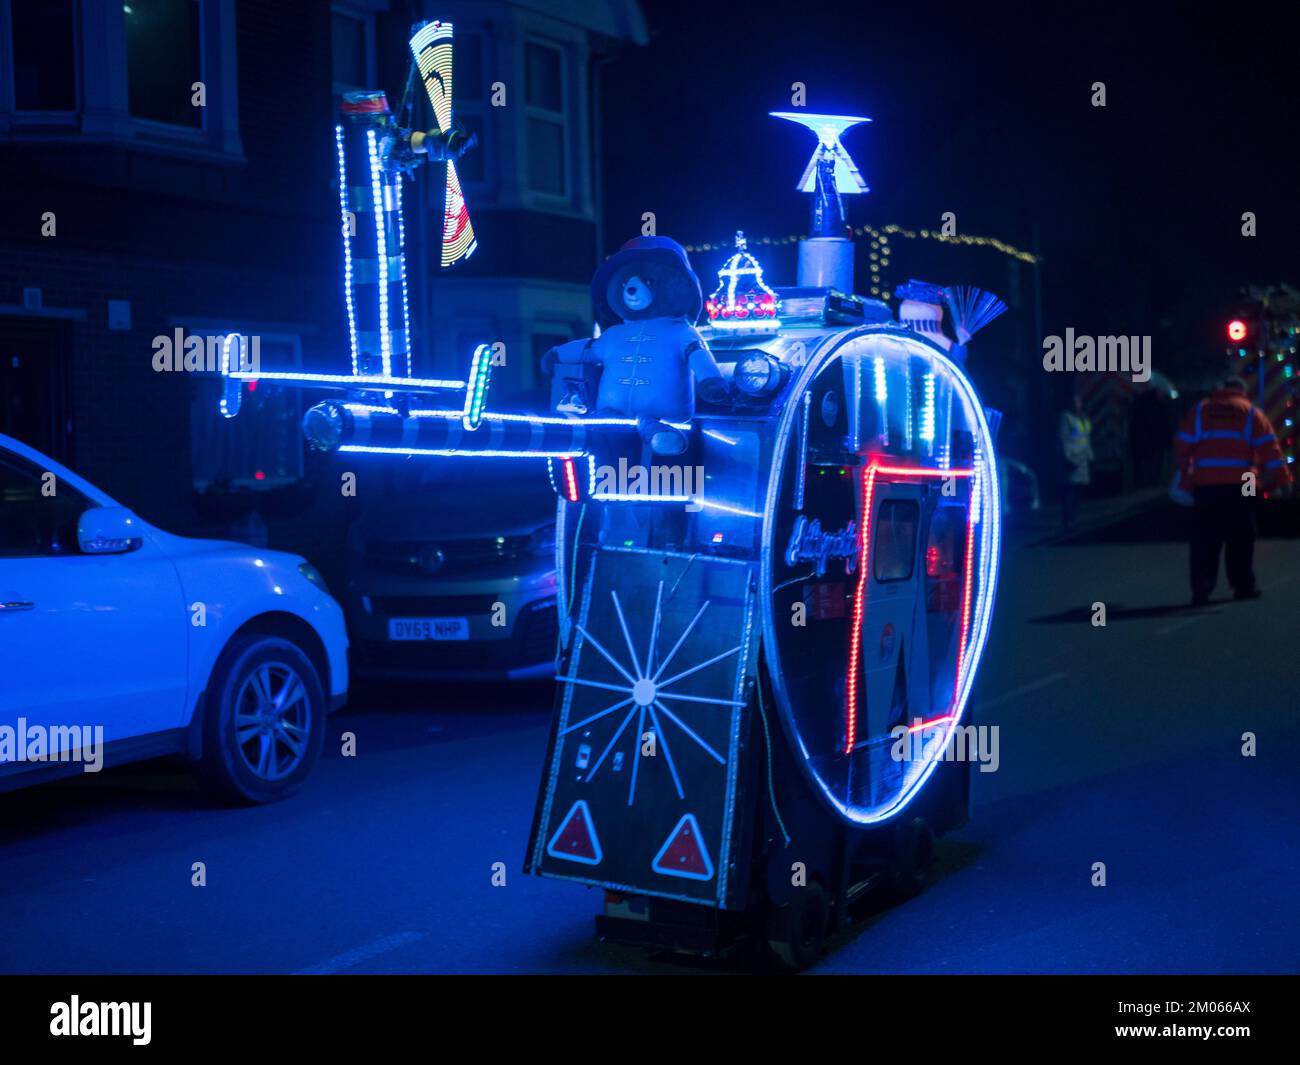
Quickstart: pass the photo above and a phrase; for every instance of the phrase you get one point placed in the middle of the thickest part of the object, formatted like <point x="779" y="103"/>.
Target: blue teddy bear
<point x="652" y="358"/>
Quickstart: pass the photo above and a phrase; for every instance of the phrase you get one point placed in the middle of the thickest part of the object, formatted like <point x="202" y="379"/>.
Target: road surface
<point x="1119" y="744"/>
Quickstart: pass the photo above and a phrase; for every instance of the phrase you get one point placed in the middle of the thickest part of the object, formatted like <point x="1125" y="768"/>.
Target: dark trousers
<point x="1069" y="503"/>
<point x="1222" y="516"/>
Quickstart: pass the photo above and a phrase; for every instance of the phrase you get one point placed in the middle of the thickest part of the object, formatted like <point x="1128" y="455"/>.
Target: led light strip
<point x="381" y="248"/>
<point x="536" y="419"/>
<point x="802" y="473"/>
<point x="401" y="258"/>
<point x="965" y="600"/>
<point x="347" y="246"/>
<point x="375" y="449"/>
<point x="413" y="383"/>
<point x="570" y="481"/>
<point x="952" y="382"/>
<point x="859" y="597"/>
<point x="480" y="375"/>
<point x="224" y="403"/>
<point x="927" y="413"/>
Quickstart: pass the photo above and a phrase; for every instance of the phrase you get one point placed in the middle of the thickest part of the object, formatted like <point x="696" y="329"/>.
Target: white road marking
<point x="356" y="956"/>
<point x="1015" y="693"/>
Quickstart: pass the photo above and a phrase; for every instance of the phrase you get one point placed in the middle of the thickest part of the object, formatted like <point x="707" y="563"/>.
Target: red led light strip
<point x="965" y="605"/>
<point x="570" y="481"/>
<point x="859" y="601"/>
<point x="860" y="595"/>
<point x="922" y="726"/>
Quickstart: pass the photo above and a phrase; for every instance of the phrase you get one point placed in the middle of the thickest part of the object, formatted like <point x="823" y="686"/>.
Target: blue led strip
<point x="325" y="380"/>
<point x="381" y="248"/>
<point x="401" y="259"/>
<point x="347" y="247"/>
<point x="374" y="428"/>
<point x="802" y="472"/>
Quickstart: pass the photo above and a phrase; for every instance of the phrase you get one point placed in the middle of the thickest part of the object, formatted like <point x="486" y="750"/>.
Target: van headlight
<point x="313" y="574"/>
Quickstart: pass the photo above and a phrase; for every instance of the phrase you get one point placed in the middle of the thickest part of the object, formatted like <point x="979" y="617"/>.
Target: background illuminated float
<point x="742" y="657"/>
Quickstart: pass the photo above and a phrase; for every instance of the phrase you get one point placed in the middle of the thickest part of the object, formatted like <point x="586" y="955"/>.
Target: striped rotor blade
<point x="458" y="240"/>
<point x="431" y="47"/>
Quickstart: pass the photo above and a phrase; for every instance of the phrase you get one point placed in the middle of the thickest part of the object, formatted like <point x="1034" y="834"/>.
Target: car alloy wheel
<point x="273" y="718"/>
<point x="263" y="720"/>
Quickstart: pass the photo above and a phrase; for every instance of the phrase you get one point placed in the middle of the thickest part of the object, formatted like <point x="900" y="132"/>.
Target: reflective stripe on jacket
<point x="1224" y="436"/>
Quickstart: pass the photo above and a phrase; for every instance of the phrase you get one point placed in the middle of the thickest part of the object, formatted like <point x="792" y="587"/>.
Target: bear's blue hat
<point x="663" y="249"/>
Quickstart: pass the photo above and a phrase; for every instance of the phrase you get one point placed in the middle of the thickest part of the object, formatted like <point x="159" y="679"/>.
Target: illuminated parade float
<point x="777" y="551"/>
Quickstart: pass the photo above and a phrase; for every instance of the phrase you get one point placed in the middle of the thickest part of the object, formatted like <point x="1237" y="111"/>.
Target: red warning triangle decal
<point x="576" y="840"/>
<point x="684" y="853"/>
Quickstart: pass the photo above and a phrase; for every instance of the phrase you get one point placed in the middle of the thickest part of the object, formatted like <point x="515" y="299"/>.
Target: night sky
<point x="987" y="113"/>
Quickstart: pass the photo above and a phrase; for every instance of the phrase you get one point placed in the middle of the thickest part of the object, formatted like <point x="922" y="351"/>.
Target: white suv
<point x="120" y="642"/>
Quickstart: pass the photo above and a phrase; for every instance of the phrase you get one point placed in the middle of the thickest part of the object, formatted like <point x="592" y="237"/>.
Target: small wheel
<point x="913" y="858"/>
<point x="264" y="720"/>
<point x="797" y="930"/>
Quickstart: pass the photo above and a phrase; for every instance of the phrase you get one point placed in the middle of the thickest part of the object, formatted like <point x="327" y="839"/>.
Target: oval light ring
<point x="989" y="539"/>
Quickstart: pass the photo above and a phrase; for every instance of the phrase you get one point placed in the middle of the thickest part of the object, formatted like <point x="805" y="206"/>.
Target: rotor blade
<point x="431" y="47"/>
<point x="458" y="241"/>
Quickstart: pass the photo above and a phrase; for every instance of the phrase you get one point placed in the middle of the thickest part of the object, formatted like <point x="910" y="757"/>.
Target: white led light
<point x="381" y="250"/>
<point x="347" y="245"/>
<point x="401" y="259"/>
<point x="413" y="383"/>
<point x="374" y="449"/>
<point x="927" y="412"/>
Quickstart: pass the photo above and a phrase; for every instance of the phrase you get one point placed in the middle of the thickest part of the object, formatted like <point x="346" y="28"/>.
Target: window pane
<point x="348" y="38"/>
<point x="944" y="559"/>
<point x="43" y="55"/>
<point x="895" y="544"/>
<point x="543" y="77"/>
<point x="532" y="377"/>
<point x="261" y="447"/>
<point x="545" y="156"/>
<point x="467" y="74"/>
<point x="162" y="52"/>
<point x="35" y="523"/>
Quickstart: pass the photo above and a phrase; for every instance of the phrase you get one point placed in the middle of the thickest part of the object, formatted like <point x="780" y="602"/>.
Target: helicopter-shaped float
<point x="761" y="674"/>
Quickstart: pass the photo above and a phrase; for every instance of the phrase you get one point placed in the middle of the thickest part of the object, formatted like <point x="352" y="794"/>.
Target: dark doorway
<point x="35" y="386"/>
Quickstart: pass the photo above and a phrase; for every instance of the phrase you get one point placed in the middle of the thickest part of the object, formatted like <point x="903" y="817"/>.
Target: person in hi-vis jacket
<point x="1226" y="452"/>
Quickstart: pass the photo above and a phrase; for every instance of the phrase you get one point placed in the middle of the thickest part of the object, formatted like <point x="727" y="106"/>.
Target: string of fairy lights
<point x="879" y="249"/>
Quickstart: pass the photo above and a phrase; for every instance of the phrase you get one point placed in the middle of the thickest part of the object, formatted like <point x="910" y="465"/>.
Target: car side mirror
<point x="108" y="531"/>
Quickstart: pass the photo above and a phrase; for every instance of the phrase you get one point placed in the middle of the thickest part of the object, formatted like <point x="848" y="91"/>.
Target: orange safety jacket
<point x="1224" y="436"/>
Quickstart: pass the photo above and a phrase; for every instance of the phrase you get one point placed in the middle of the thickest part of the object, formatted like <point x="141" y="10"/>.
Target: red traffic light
<point x="1236" y="329"/>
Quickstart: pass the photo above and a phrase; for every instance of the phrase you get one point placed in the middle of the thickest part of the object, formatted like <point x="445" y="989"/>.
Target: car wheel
<point x="796" y="931"/>
<point x="264" y="720"/>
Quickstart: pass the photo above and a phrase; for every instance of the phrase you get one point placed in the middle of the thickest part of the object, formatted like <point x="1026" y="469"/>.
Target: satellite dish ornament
<point x="831" y="172"/>
<point x="826" y="256"/>
<point x="743" y="301"/>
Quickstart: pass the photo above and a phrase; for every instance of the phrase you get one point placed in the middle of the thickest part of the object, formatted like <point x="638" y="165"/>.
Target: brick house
<point x="135" y="205"/>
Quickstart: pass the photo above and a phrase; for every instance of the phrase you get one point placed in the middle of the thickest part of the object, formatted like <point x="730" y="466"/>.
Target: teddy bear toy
<point x="652" y="358"/>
